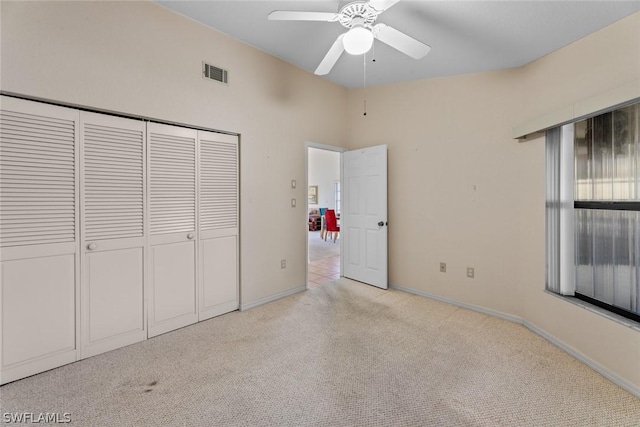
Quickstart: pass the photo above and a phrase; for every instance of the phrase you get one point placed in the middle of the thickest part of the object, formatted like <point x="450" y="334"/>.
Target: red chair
<point x="331" y="224"/>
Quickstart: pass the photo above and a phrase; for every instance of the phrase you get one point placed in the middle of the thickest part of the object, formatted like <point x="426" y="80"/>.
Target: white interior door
<point x="112" y="183"/>
<point x="218" y="219"/>
<point x="363" y="218"/>
<point x="39" y="217"/>
<point x="172" y="228"/>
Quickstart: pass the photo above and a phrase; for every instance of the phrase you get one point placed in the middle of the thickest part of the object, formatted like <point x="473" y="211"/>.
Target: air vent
<point x="211" y="72"/>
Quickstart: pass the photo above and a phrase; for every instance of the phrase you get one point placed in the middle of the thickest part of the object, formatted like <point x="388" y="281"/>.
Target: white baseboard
<point x="616" y="379"/>
<point x="272" y="298"/>
<point x="478" y="308"/>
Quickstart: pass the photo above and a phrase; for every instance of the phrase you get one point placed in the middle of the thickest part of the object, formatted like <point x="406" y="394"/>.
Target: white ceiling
<point x="465" y="36"/>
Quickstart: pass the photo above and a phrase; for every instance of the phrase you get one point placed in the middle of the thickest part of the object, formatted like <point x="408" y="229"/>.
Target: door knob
<point x="380" y="223"/>
<point x="190" y="236"/>
<point x="91" y="246"/>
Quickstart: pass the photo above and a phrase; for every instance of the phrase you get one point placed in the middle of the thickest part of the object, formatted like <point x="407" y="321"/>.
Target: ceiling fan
<point x="359" y="17"/>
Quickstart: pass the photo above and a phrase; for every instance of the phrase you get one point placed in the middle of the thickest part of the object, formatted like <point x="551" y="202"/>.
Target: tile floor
<point x="324" y="260"/>
<point x="324" y="270"/>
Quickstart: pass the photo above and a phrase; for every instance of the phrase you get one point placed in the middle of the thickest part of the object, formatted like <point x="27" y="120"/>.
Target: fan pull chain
<point x="364" y="82"/>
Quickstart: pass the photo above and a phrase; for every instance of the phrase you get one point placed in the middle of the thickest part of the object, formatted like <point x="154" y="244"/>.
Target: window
<point x="336" y="188"/>
<point x="593" y="210"/>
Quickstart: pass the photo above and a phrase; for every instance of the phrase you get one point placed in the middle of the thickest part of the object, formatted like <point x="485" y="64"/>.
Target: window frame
<point x="561" y="212"/>
<point x="337" y="195"/>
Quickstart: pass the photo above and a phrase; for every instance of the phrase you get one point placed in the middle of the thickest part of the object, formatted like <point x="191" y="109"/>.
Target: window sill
<point x="600" y="311"/>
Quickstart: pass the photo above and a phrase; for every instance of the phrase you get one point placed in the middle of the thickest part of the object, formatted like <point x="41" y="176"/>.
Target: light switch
<point x="293" y="203"/>
<point x="293" y="183"/>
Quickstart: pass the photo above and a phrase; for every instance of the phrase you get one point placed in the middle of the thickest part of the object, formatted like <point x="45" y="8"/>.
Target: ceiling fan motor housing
<point x="358" y="14"/>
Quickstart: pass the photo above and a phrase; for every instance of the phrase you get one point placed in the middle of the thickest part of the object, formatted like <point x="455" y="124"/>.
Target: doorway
<point x="324" y="192"/>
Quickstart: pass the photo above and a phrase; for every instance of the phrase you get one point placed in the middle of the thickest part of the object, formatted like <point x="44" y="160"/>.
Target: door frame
<point x="326" y="147"/>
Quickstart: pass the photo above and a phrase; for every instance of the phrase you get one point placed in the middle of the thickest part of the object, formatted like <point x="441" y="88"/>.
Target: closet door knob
<point x="190" y="236"/>
<point x="91" y="246"/>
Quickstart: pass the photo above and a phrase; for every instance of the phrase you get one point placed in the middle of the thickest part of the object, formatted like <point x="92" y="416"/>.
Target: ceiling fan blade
<point x="399" y="40"/>
<point x="331" y="57"/>
<point x="382" y="5"/>
<point x="292" y="15"/>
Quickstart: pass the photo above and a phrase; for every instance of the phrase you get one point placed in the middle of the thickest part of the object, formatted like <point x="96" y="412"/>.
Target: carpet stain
<point x="151" y="384"/>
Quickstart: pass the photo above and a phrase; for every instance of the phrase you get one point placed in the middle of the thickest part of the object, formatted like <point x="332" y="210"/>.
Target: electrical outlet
<point x="283" y="263"/>
<point x="443" y="267"/>
<point x="471" y="272"/>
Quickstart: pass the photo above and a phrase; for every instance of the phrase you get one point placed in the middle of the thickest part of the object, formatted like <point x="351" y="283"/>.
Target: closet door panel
<point x="173" y="275"/>
<point x="172" y="222"/>
<point x="218" y="232"/>
<point x="114" y="294"/>
<point x="113" y="244"/>
<point x="39" y="220"/>
<point x="38" y="308"/>
<point x="219" y="262"/>
<point x="28" y="336"/>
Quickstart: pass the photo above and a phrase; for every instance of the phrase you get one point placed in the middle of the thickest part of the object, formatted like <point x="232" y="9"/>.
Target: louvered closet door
<point x="218" y="218"/>
<point x="113" y="177"/>
<point x="172" y="227"/>
<point x="38" y="237"/>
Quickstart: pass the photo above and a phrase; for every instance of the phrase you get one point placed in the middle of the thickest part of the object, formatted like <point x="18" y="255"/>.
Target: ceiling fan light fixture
<point x="357" y="40"/>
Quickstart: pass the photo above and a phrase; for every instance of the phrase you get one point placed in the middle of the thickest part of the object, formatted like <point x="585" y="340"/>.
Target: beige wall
<point x="462" y="191"/>
<point x="589" y="67"/>
<point x="139" y="58"/>
<point x="452" y="182"/>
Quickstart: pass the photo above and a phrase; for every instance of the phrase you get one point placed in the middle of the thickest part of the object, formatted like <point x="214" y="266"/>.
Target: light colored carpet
<point x="319" y="249"/>
<point x="341" y="355"/>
